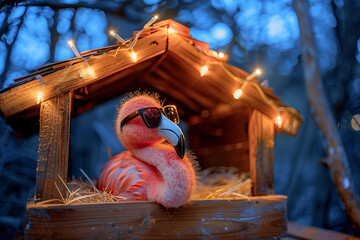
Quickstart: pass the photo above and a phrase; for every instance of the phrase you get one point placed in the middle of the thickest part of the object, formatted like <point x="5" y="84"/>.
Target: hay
<point x="222" y="183"/>
<point x="212" y="183"/>
<point x="80" y="191"/>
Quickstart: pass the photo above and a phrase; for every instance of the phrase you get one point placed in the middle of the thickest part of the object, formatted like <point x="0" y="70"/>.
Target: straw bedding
<point x="212" y="183"/>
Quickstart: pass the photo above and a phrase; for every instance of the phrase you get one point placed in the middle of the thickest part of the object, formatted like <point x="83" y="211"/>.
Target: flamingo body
<point x="151" y="169"/>
<point x="124" y="175"/>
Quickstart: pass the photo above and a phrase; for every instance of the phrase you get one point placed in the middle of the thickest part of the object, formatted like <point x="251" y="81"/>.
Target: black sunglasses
<point x="151" y="116"/>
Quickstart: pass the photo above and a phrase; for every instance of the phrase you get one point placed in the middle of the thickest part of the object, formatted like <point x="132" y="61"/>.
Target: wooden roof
<point x="169" y="63"/>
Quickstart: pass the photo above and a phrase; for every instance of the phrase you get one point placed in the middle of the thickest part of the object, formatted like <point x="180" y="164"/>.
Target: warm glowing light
<point x="221" y="55"/>
<point x="70" y="43"/>
<point x="152" y="20"/>
<point x="134" y="56"/>
<point x="39" y="97"/>
<point x="170" y="30"/>
<point x="237" y="93"/>
<point x="73" y="48"/>
<point x="215" y="54"/>
<point x="204" y="70"/>
<point x="115" y="35"/>
<point x="278" y="120"/>
<point x="257" y="72"/>
<point x="91" y="71"/>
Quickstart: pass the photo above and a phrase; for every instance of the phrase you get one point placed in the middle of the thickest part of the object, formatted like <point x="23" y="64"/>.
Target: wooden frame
<point x="258" y="217"/>
<point x="169" y="64"/>
<point x="53" y="150"/>
<point x="261" y="144"/>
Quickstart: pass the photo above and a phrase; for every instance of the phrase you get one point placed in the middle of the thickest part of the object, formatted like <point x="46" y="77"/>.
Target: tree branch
<point x="9" y="48"/>
<point x="336" y="155"/>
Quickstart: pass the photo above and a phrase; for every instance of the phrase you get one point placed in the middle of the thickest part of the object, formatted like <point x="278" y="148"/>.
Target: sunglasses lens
<point x="171" y="114"/>
<point x="152" y="117"/>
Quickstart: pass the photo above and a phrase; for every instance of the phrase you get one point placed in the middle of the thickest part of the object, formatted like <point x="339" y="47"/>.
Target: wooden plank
<point x="19" y="98"/>
<point x="224" y="86"/>
<point x="53" y="147"/>
<point x="179" y="73"/>
<point x="261" y="144"/>
<point x="256" y="218"/>
<point x="313" y="233"/>
<point x="231" y="155"/>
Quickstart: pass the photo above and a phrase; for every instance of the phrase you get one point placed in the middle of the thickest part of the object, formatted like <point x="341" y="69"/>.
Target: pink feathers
<point x="151" y="169"/>
<point x="124" y="175"/>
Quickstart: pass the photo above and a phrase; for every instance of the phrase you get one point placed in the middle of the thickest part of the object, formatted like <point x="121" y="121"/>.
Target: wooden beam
<point x="222" y="88"/>
<point x="74" y="76"/>
<point x="261" y="144"/>
<point x="256" y="218"/>
<point x="53" y="147"/>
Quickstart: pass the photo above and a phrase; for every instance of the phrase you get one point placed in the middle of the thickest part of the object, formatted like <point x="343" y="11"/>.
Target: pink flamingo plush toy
<point x="151" y="169"/>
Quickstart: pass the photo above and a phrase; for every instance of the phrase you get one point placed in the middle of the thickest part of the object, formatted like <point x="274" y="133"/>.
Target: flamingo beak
<point x="171" y="132"/>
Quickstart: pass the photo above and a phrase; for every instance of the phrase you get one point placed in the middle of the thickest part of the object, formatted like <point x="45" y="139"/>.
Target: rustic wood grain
<point x="22" y="97"/>
<point x="218" y="84"/>
<point x="221" y="142"/>
<point x="176" y="62"/>
<point x="256" y="218"/>
<point x="53" y="147"/>
<point x="261" y="144"/>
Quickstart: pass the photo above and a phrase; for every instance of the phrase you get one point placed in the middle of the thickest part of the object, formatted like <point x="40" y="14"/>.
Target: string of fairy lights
<point x="203" y="70"/>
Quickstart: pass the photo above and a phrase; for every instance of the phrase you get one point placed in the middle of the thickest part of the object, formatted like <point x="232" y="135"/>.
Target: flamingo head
<point x="134" y="133"/>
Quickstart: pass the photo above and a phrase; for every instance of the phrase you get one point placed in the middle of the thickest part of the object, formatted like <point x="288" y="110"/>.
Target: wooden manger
<point x="221" y="130"/>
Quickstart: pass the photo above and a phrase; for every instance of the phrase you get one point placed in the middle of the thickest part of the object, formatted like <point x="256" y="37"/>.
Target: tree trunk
<point x="336" y="156"/>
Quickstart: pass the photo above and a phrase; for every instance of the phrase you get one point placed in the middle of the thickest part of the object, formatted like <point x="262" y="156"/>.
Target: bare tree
<point x="336" y="161"/>
<point x="9" y="46"/>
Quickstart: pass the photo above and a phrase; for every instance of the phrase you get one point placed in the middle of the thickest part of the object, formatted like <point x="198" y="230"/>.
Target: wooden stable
<point x="221" y="131"/>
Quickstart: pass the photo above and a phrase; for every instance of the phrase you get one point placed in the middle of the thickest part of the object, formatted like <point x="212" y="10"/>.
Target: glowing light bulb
<point x="70" y="43"/>
<point x="237" y="93"/>
<point x="215" y="54"/>
<point x="134" y="56"/>
<point x="115" y="35"/>
<point x="257" y="72"/>
<point x="152" y="20"/>
<point x="40" y="96"/>
<point x="221" y="55"/>
<point x="278" y="120"/>
<point x="170" y="30"/>
<point x="73" y="48"/>
<point x="204" y="70"/>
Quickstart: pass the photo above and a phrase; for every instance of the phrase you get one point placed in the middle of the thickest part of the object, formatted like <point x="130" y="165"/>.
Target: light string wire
<point x="205" y="68"/>
<point x="248" y="81"/>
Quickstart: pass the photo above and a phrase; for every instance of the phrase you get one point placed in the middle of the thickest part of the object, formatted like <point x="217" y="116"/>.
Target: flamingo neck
<point x="175" y="180"/>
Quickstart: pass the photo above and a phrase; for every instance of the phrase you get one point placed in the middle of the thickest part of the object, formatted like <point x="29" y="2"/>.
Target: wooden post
<point x="261" y="143"/>
<point x="53" y="149"/>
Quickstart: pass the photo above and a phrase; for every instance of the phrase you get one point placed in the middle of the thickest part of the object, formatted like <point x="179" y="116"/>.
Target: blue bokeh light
<point x="151" y="2"/>
<point x="64" y="20"/>
<point x="217" y="36"/>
